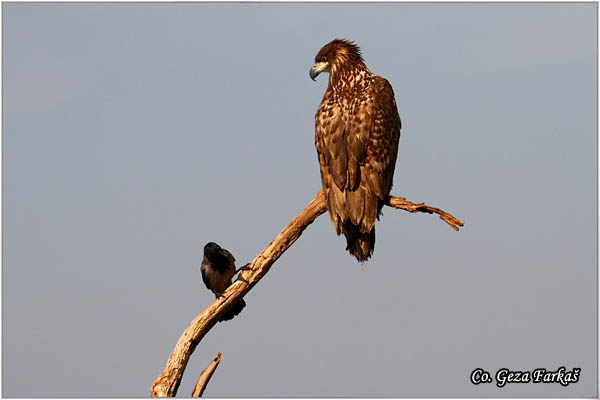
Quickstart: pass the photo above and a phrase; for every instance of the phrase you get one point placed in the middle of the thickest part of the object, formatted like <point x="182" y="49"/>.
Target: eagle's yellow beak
<point x="317" y="68"/>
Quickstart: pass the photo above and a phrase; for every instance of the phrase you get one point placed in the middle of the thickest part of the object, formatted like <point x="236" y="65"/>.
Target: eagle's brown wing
<point x="330" y="141"/>
<point x="357" y="151"/>
<point x="378" y="165"/>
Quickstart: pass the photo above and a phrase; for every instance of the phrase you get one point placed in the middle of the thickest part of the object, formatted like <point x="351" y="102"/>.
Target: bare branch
<point x="403" y="204"/>
<point x="205" y="376"/>
<point x="167" y="383"/>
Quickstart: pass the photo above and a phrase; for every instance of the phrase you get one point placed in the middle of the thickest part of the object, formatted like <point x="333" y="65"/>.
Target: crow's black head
<point x="216" y="255"/>
<point x="212" y="250"/>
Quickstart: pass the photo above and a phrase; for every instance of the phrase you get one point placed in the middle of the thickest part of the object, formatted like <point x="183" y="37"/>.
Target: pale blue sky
<point x="135" y="133"/>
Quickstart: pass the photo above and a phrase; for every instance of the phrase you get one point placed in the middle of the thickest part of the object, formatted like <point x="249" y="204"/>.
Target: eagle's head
<point x="337" y="55"/>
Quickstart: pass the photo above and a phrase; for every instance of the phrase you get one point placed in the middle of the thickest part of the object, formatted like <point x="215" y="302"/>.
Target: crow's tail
<point x="234" y="310"/>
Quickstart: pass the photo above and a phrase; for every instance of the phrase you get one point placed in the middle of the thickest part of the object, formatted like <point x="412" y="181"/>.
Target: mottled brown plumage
<point x="357" y="129"/>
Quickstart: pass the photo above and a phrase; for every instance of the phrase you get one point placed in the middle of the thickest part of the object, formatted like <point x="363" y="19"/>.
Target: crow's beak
<point x="317" y="68"/>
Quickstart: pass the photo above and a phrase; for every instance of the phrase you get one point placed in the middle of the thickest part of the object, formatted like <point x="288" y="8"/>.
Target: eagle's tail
<point x="234" y="310"/>
<point x="359" y="244"/>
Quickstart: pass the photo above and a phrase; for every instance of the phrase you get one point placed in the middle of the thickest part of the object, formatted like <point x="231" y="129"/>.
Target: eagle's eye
<point x="323" y="59"/>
